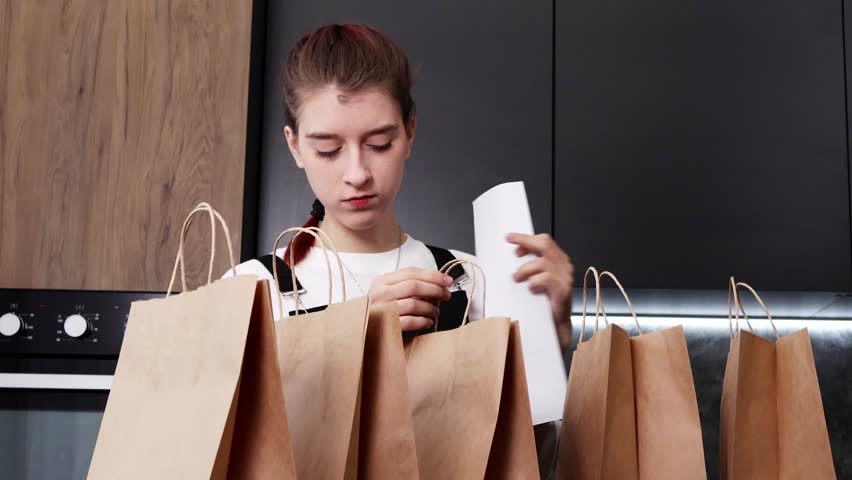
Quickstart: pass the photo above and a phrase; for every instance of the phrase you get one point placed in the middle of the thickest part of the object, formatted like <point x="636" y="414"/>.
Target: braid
<point x="301" y="244"/>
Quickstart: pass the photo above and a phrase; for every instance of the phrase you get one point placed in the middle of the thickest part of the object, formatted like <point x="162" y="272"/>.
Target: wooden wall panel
<point x="116" y="117"/>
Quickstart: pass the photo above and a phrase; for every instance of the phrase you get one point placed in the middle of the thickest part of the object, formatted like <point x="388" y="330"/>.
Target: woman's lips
<point x="359" y="203"/>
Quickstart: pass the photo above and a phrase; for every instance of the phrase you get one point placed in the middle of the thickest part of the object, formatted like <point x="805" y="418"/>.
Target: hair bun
<point x="318" y="210"/>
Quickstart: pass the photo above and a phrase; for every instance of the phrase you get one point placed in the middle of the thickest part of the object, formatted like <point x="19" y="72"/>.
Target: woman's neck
<point x="383" y="237"/>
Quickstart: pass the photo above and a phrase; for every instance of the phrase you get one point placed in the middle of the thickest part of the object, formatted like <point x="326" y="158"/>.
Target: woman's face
<point x="353" y="147"/>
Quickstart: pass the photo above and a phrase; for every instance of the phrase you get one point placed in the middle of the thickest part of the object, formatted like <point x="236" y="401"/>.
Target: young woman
<point x="350" y="124"/>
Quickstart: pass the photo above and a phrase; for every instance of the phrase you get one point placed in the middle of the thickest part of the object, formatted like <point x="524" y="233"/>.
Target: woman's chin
<point x="360" y="220"/>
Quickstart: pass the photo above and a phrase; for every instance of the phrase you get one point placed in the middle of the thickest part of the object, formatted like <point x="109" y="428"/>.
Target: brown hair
<point x="352" y="57"/>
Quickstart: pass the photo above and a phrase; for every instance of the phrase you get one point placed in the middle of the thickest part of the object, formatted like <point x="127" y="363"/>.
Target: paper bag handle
<point x="626" y="298"/>
<point x="446" y="269"/>
<point x="759" y="301"/>
<point x="179" y="260"/>
<point x="594" y="272"/>
<point x="325" y="243"/>
<point x="331" y="246"/>
<point x="734" y="308"/>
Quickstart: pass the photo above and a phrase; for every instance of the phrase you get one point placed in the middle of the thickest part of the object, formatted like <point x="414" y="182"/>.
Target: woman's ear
<point x="409" y="131"/>
<point x="293" y="144"/>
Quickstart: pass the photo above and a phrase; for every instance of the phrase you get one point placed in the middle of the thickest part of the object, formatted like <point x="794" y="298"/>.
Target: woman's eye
<point x="381" y="148"/>
<point x="328" y="153"/>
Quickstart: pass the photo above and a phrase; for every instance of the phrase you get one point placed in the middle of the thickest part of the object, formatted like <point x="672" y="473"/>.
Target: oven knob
<point x="11" y="325"/>
<point x="76" y="326"/>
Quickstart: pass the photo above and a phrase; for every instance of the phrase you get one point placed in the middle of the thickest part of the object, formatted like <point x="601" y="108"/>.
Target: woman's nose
<point x="356" y="172"/>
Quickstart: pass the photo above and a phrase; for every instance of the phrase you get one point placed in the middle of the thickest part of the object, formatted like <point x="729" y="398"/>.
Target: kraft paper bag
<point x="387" y="429"/>
<point x="772" y="418"/>
<point x="598" y="439"/>
<point x="668" y="426"/>
<point x="470" y="402"/>
<point x="343" y="370"/>
<point x="631" y="409"/>
<point x="197" y="391"/>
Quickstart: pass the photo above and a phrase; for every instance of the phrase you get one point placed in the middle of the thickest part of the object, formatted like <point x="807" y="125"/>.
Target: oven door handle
<point x="49" y="381"/>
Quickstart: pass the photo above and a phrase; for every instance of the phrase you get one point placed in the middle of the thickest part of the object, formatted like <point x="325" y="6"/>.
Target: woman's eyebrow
<point x="323" y="136"/>
<point x="389" y="128"/>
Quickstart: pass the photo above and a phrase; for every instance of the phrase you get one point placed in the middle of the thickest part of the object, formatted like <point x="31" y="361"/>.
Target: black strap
<point x="285" y="280"/>
<point x="442" y="257"/>
<point x="452" y="310"/>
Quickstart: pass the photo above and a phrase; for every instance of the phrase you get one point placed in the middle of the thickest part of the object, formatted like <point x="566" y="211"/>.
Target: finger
<point x="539" y="244"/>
<point x="418" y="308"/>
<point x="530" y="268"/>
<point x="542" y="282"/>
<point x="421" y="274"/>
<point x="530" y="242"/>
<point x="419" y="288"/>
<point x="558" y="290"/>
<point x="408" y="322"/>
<point x="520" y="239"/>
<point x="521" y="251"/>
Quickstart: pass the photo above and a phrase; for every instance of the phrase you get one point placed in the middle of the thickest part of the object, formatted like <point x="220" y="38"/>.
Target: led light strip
<point x="716" y="323"/>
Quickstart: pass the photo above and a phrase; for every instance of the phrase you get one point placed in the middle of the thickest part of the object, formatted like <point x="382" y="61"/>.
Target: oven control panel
<point x="66" y="323"/>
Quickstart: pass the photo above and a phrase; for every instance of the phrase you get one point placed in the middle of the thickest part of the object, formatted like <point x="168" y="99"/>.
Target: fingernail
<point x="448" y="280"/>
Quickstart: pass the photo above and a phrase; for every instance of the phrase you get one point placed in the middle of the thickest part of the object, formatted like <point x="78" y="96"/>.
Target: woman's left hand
<point x="552" y="274"/>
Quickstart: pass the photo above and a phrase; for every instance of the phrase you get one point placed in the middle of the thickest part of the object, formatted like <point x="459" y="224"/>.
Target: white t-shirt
<point x="312" y="273"/>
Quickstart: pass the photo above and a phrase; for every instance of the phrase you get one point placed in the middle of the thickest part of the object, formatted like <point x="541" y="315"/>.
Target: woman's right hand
<point x="417" y="291"/>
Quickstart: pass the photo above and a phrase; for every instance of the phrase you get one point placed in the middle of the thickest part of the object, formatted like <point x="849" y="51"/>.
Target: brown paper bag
<point x="320" y="355"/>
<point x="344" y="373"/>
<point x="513" y="452"/>
<point x="387" y="448"/>
<point x="196" y="392"/>
<point x="668" y="427"/>
<point x="469" y="401"/>
<point x="598" y="439"/>
<point x="631" y="409"/>
<point x="772" y="420"/>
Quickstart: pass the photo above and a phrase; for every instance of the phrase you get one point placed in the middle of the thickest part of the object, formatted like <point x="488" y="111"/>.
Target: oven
<point x="58" y="352"/>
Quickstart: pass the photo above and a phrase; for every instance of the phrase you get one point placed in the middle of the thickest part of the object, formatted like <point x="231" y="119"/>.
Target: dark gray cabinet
<point x="694" y="140"/>
<point x="483" y="93"/>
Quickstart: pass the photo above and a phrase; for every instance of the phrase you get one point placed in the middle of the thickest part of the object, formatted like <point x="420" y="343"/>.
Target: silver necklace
<point x="398" y="255"/>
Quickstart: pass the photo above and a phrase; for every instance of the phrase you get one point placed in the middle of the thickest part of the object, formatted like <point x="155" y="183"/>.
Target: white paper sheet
<point x="504" y="209"/>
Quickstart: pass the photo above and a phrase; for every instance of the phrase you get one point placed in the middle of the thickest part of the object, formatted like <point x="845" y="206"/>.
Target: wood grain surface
<point x="116" y="118"/>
